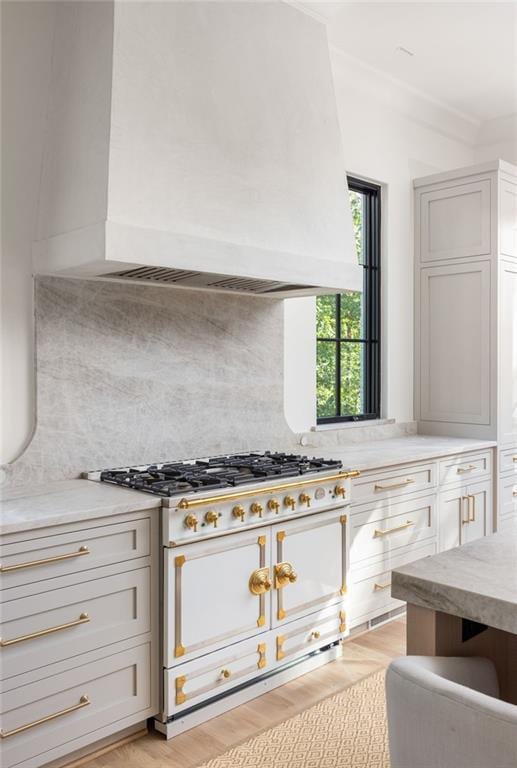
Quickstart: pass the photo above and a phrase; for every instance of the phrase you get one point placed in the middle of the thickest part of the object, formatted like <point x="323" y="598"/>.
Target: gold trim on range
<point x="84" y="701"/>
<point x="190" y="503"/>
<point x="179" y="683"/>
<point x="261" y="650"/>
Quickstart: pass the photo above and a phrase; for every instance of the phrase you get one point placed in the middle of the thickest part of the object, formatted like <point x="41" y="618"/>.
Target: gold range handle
<point x="190" y="503"/>
<point x="84" y="701"/>
<point x="80" y="552"/>
<point x="83" y="619"/>
<point x="260" y="581"/>
<point x="392" y="487"/>
<point x="377" y="532"/>
<point x="284" y="575"/>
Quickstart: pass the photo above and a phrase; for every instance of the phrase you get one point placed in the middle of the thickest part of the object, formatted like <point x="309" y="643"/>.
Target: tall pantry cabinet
<point x="466" y="312"/>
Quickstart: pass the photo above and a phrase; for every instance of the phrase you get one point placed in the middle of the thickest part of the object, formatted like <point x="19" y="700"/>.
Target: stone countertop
<point x="377" y="454"/>
<point x="477" y="581"/>
<point x="73" y="500"/>
<point x="68" y="501"/>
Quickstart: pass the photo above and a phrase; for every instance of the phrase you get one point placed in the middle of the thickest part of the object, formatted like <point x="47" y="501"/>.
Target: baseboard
<point x="92" y="751"/>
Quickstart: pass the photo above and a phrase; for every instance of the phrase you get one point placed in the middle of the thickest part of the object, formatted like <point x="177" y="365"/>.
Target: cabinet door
<point x="455" y="222"/>
<point x="508" y="353"/>
<point x="216" y="592"/>
<point x="453" y="515"/>
<point x="508" y="218"/>
<point x="316" y="550"/>
<point x="455" y="354"/>
<point x="479" y="508"/>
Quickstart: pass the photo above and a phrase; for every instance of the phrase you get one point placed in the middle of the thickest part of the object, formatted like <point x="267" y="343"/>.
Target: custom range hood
<point x="195" y="145"/>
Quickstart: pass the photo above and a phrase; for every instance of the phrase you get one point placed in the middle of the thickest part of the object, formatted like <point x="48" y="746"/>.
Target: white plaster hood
<point x="195" y="144"/>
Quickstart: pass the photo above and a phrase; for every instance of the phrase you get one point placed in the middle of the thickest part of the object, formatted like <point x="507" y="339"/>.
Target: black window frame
<point x="372" y="311"/>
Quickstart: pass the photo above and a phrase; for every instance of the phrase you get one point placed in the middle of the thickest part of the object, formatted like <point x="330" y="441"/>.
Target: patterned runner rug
<point x="346" y="730"/>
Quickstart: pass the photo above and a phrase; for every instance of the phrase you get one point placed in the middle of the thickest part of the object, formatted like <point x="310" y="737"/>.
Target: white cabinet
<point x="466" y="303"/>
<point x="464" y="514"/>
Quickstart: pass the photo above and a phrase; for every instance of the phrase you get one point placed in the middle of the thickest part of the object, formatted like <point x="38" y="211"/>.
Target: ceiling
<point x="464" y="53"/>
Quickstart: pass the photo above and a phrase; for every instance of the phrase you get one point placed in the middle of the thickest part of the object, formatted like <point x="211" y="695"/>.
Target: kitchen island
<point x="463" y="602"/>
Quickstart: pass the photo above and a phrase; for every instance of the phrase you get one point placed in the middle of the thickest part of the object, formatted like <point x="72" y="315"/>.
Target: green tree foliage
<point x="351" y="327"/>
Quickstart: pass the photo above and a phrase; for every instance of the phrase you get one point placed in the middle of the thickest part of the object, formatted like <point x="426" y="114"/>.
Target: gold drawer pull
<point x="83" y="619"/>
<point x="84" y="701"/>
<point x="392" y="487"/>
<point x="225" y="673"/>
<point x="514" y="459"/>
<point x="315" y="635"/>
<point x="378" y="532"/>
<point x="379" y="587"/>
<point x="81" y="551"/>
<point x="514" y="492"/>
<point x="462" y="470"/>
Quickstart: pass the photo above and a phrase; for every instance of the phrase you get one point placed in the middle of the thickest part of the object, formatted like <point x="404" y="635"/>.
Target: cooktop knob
<point x="238" y="511"/>
<point x="256" y="509"/>
<point x="304" y="498"/>
<point x="273" y="505"/>
<point x="191" y="522"/>
<point x="289" y="501"/>
<point x="212" y="517"/>
<point x="340" y="491"/>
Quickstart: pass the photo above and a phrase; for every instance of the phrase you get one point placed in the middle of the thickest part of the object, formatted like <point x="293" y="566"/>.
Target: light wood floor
<point x="362" y="656"/>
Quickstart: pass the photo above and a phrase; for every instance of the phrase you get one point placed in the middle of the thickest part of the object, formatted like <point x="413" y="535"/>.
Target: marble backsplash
<point x="134" y="374"/>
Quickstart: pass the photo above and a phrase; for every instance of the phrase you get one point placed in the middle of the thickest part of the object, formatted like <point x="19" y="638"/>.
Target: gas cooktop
<point x="185" y="477"/>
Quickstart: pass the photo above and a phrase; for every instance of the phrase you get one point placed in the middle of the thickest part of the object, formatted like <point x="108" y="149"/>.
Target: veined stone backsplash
<point x="131" y="374"/>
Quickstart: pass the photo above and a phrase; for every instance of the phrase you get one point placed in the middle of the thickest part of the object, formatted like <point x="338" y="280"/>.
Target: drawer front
<point x="508" y="460"/>
<point x="370" y="594"/>
<point x="54" y="712"/>
<point x="299" y="638"/>
<point x="196" y="681"/>
<point x="508" y="497"/>
<point x="71" y="620"/>
<point x="386" y="528"/>
<point x="395" y="482"/>
<point x="465" y="468"/>
<point x="39" y="560"/>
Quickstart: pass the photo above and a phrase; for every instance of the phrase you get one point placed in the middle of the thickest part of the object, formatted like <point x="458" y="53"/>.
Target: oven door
<point x="217" y="592"/>
<point x="310" y="565"/>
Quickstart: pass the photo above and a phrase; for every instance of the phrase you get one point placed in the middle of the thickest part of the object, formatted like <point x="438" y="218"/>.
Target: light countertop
<point x="73" y="500"/>
<point x="477" y="581"/>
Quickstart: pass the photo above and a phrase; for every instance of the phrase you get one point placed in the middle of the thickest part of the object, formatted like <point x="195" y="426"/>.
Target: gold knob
<point x="225" y="673"/>
<point x="315" y="635"/>
<point x="340" y="491"/>
<point x="238" y="511"/>
<point x="304" y="498"/>
<point x="259" y="581"/>
<point x="284" y="574"/>
<point x="256" y="509"/>
<point x="191" y="522"/>
<point x="273" y="505"/>
<point x="212" y="517"/>
<point x="289" y="501"/>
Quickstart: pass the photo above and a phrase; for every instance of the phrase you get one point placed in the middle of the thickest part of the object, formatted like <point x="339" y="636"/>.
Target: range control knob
<point x="274" y="506"/>
<point x="289" y="501"/>
<point x="238" y="511"/>
<point x="304" y="498"/>
<point x="256" y="509"/>
<point x="191" y="522"/>
<point x="340" y="491"/>
<point x="212" y="517"/>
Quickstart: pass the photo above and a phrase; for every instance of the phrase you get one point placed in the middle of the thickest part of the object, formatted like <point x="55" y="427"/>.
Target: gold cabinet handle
<point x="260" y="581"/>
<point x="378" y="532"/>
<point x="225" y="673"/>
<point x="464" y="520"/>
<point x="514" y="459"/>
<point x="462" y="470"/>
<point x="392" y="487"/>
<point x="379" y="587"/>
<point x="84" y="701"/>
<point x="81" y="551"/>
<point x="472" y="509"/>
<point x="83" y="619"/>
<point x="284" y="575"/>
<point x="514" y="492"/>
<point x="315" y="635"/>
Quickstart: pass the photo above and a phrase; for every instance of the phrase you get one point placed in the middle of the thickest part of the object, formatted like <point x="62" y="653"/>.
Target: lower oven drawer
<point x="370" y="591"/>
<point x="299" y="638"/>
<point x="55" y="712"/>
<point x="74" y="619"/>
<point x="201" y="679"/>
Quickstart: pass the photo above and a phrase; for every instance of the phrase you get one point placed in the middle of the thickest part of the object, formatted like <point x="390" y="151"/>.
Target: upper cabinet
<point x="466" y="303"/>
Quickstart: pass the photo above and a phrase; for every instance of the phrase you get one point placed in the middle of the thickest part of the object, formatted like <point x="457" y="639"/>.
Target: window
<point x="348" y="325"/>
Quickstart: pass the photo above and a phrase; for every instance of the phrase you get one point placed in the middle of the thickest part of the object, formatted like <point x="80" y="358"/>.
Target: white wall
<point x="390" y="135"/>
<point x="498" y="138"/>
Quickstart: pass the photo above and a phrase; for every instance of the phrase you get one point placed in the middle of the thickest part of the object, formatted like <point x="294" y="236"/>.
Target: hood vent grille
<point x="192" y="279"/>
